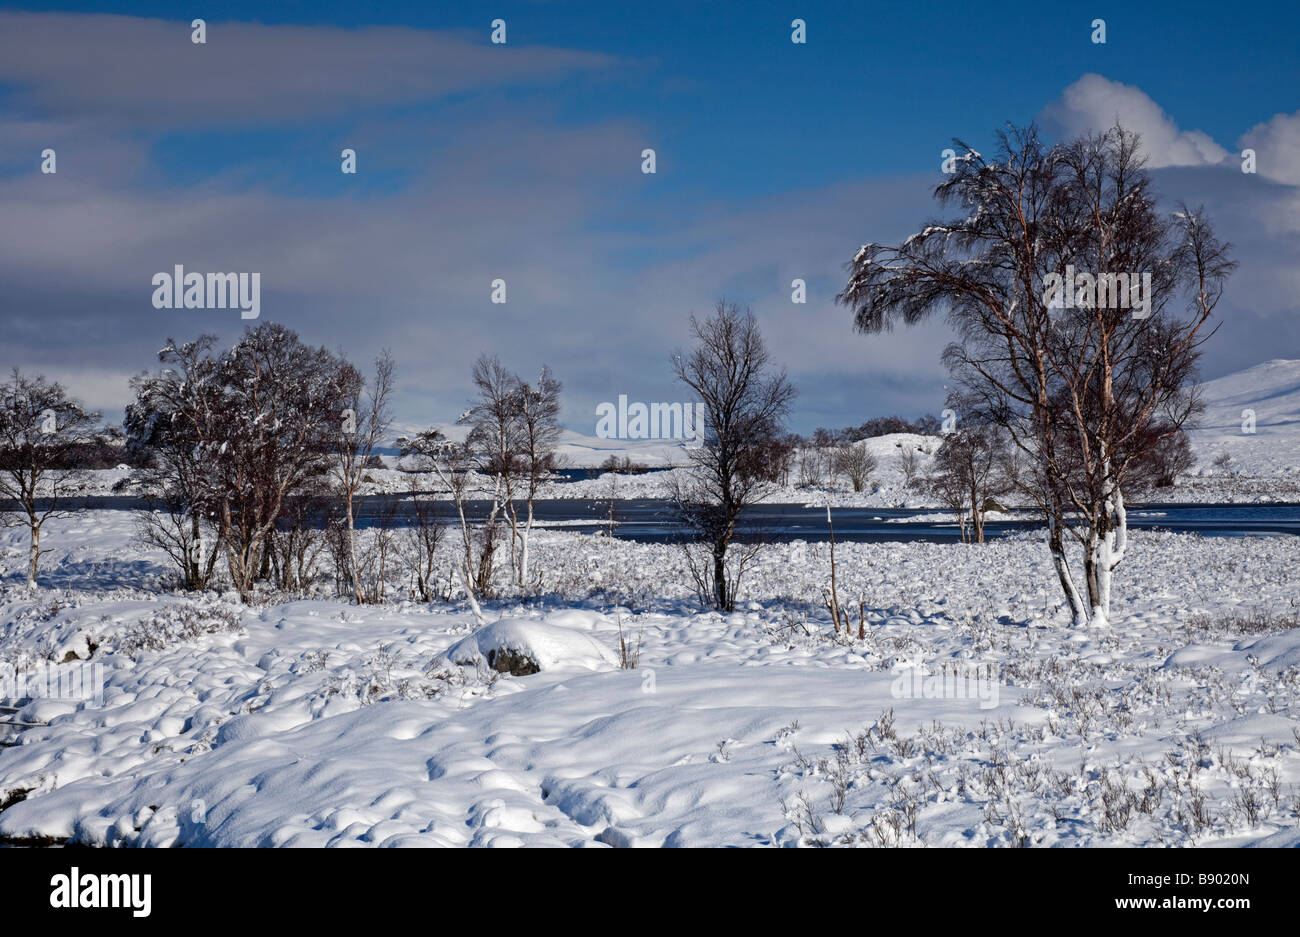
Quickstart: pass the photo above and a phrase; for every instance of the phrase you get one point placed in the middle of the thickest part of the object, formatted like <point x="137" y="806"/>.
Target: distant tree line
<point x="926" y="425"/>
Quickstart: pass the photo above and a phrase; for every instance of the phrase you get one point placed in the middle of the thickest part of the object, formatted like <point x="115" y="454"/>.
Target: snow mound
<point x="1276" y="652"/>
<point x="522" y="646"/>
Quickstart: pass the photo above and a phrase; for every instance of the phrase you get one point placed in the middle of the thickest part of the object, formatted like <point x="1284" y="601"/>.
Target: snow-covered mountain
<point x="1272" y="391"/>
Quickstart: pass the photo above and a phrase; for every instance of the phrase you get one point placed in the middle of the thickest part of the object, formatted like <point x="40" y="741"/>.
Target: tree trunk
<point x="34" y="559"/>
<point x="194" y="559"/>
<point x="512" y="515"/>
<point x="1078" y="613"/>
<point x="264" y="559"/>
<point x="523" y="560"/>
<point x="720" y="577"/>
<point x="469" y="591"/>
<point x="1092" y="562"/>
<point x="352" y="552"/>
<point x="1109" y="544"/>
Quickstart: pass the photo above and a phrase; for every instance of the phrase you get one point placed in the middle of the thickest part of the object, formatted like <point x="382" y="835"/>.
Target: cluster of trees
<point x="256" y="455"/>
<point x="976" y="465"/>
<point x="250" y="451"/>
<point x="1091" y="397"/>
<point x="816" y="466"/>
<point x="971" y="468"/>
<point x="624" y="465"/>
<point x="926" y="425"/>
<point x="1072" y="409"/>
<point x="827" y="456"/>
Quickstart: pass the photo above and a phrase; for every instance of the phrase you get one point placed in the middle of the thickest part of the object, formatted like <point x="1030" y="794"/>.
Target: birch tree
<point x="270" y="435"/>
<point x="1084" y="388"/>
<point x="495" y="444"/>
<point x="538" y="415"/>
<point x="165" y="431"/>
<point x="40" y="428"/>
<point x="453" y="463"/>
<point x="361" y="425"/>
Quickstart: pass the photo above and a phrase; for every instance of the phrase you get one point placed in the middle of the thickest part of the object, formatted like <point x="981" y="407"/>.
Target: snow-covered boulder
<point x="522" y="646"/>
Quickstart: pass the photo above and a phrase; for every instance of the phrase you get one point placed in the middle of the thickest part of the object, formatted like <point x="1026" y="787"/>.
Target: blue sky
<point x="521" y="161"/>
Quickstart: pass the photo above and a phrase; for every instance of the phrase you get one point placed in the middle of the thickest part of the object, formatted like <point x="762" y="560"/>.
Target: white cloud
<point x="1277" y="148"/>
<point x="1094" y="103"/>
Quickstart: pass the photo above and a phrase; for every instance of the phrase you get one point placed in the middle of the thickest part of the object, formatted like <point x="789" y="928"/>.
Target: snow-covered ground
<point x="1271" y="391"/>
<point x="316" y="722"/>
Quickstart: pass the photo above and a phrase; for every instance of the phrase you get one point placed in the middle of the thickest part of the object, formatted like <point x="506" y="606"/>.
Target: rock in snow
<point x="520" y="646"/>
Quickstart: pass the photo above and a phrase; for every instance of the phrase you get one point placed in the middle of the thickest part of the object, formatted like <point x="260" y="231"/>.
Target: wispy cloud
<point x="148" y="73"/>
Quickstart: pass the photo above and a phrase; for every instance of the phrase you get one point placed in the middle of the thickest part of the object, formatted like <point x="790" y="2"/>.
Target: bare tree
<point x="164" y="432"/>
<point x="909" y="463"/>
<point x="622" y="464"/>
<point x="538" y="417"/>
<point x="812" y="466"/>
<point x="298" y="540"/>
<point x="1168" y="458"/>
<point x="1077" y="386"/>
<point x="421" y="547"/>
<point x="952" y="493"/>
<point x="746" y="400"/>
<point x="854" y="462"/>
<point x="496" y="444"/>
<point x="40" y="428"/>
<point x="361" y="425"/>
<point x="969" y="467"/>
<point x="454" y="463"/>
<point x="378" y="557"/>
<point x="779" y="458"/>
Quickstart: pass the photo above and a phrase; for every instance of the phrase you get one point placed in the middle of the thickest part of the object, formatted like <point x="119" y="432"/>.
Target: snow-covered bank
<point x="316" y="722"/>
<point x="1253" y="417"/>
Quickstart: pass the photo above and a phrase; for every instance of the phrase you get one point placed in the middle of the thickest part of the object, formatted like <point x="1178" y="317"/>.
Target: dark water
<point x="651" y="521"/>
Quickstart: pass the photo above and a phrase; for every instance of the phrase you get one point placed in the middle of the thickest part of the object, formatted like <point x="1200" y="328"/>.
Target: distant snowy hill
<point x="581" y="451"/>
<point x="1272" y="391"/>
<point x="586" y="451"/>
